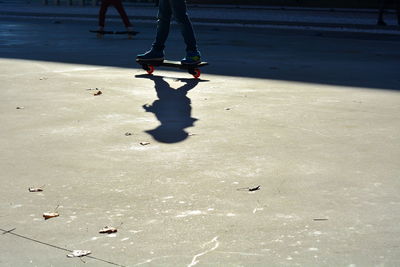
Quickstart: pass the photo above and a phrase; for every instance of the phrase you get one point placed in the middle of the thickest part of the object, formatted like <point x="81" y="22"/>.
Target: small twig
<point x="9" y="231"/>
<point x="56" y="208"/>
<point x="60" y="248"/>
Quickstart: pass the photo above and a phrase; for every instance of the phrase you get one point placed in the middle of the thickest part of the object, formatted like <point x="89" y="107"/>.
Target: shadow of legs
<point x="172" y="108"/>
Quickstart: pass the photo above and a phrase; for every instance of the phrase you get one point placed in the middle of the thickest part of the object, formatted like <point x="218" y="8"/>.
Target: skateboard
<point x="100" y="34"/>
<point x="194" y="69"/>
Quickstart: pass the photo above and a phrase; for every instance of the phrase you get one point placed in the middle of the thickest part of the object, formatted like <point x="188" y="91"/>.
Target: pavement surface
<point x="311" y="117"/>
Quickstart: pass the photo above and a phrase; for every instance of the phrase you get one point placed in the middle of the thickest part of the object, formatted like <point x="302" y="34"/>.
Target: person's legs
<point x="180" y="13"/>
<point x="178" y="9"/>
<point x="163" y="24"/>
<point x="102" y="13"/>
<point x="120" y="8"/>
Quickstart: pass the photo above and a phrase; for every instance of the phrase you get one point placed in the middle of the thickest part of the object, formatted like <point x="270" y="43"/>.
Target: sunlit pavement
<point x="313" y="120"/>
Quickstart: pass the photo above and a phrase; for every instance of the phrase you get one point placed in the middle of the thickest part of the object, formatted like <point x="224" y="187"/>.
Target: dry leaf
<point x="108" y="230"/>
<point x="79" y="253"/>
<point x="97" y="93"/>
<point x="49" y="215"/>
<point x="144" y="143"/>
<point x="255" y="188"/>
<point x="35" y="189"/>
<point x="249" y="188"/>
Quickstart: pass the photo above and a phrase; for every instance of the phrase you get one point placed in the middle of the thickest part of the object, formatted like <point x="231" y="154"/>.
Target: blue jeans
<point x="166" y="9"/>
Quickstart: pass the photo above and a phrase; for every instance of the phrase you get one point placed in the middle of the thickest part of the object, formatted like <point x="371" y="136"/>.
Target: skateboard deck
<point x="100" y="34"/>
<point x="149" y="66"/>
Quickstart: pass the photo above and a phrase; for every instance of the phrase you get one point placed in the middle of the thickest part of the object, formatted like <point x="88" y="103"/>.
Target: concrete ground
<point x="312" y="118"/>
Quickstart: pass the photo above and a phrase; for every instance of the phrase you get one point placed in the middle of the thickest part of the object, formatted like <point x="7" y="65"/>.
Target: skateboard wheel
<point x="196" y="73"/>
<point x="150" y="69"/>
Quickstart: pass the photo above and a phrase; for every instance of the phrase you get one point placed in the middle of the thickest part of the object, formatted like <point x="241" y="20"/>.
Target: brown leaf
<point x="108" y="230"/>
<point x="35" y="189"/>
<point x="49" y="215"/>
<point x="79" y="253"/>
<point x="255" y="188"/>
<point x="145" y="143"/>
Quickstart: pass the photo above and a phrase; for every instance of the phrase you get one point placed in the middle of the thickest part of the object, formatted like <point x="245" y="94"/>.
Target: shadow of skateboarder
<point x="172" y="108"/>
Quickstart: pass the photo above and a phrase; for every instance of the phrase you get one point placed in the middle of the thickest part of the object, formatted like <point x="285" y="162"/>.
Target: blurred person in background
<point x="119" y="7"/>
<point x="382" y="6"/>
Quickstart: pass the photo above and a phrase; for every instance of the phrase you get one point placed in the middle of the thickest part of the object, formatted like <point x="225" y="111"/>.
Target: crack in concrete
<point x="195" y="261"/>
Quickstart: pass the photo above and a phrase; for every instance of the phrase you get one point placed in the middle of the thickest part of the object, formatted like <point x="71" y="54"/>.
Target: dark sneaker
<point x="151" y="55"/>
<point x="192" y="58"/>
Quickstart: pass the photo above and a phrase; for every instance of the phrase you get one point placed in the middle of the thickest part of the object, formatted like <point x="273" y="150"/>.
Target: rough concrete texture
<point x="313" y="119"/>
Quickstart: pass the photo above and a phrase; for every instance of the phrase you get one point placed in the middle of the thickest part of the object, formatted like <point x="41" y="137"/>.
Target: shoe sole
<point x="150" y="59"/>
<point x="191" y="63"/>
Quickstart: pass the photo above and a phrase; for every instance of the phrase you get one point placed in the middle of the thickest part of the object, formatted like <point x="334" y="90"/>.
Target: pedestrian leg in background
<point x="397" y="4"/>
<point x="102" y="13"/>
<point x="120" y="8"/>
<point x="381" y="22"/>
